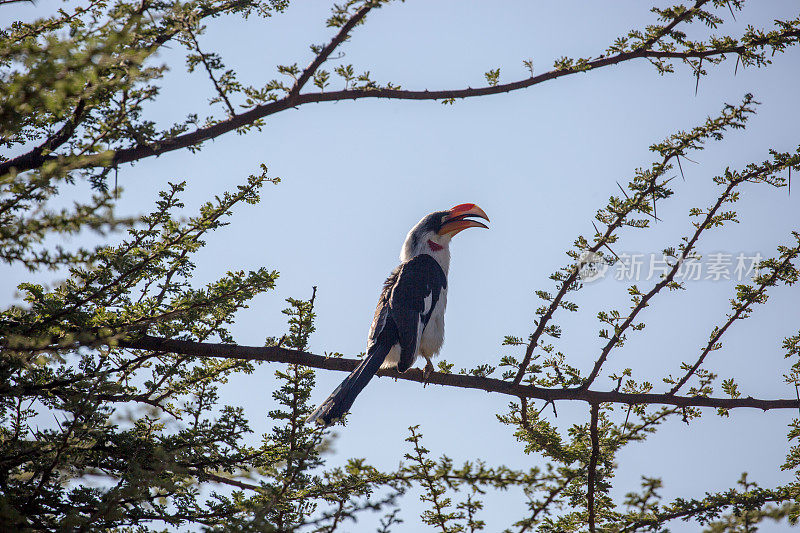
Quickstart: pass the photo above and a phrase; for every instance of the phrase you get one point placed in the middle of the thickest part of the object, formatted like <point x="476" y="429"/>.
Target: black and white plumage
<point x="409" y="319"/>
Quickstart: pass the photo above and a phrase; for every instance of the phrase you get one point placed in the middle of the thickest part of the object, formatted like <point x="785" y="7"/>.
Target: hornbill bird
<point x="409" y="319"/>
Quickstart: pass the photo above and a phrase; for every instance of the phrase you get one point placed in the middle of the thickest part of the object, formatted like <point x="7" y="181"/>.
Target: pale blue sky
<point x="357" y="175"/>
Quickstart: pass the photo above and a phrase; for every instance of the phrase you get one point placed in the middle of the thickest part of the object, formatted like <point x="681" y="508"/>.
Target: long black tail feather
<point x="340" y="401"/>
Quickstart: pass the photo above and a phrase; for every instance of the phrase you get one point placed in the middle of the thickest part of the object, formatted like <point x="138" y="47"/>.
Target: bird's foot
<point x="426" y="374"/>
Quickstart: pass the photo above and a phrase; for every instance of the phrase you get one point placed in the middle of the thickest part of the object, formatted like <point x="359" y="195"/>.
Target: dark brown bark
<point x="295" y="99"/>
<point x="592" y="475"/>
<point x="284" y="355"/>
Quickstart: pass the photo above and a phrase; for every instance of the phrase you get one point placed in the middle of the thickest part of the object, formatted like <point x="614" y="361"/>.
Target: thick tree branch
<point x="283" y="355"/>
<point x="40" y="155"/>
<point x="227" y="481"/>
<point x="200" y="135"/>
<point x="294" y="99"/>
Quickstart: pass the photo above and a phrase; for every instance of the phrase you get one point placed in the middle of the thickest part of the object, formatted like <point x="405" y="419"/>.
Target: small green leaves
<point x="493" y="77"/>
<point x="75" y="103"/>
<point x="510" y="340"/>
<point x="481" y="371"/>
<point x="321" y="78"/>
<point x="346" y="72"/>
<point x="440" y="514"/>
<point x="730" y="388"/>
<point x="289" y="70"/>
<point x="792" y="346"/>
<point x="444" y="367"/>
<point x="563" y="63"/>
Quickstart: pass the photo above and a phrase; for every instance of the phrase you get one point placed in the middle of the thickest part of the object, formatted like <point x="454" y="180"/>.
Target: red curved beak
<point x="456" y="219"/>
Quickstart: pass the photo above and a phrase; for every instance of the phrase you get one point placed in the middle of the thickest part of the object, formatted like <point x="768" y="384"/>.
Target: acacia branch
<point x="323" y="54"/>
<point x="634" y="204"/>
<point x="294" y="99"/>
<point x="637" y="201"/>
<point x="283" y="355"/>
<point x="708" y="222"/>
<point x="228" y="481"/>
<point x="619" y="332"/>
<point x="201" y="135"/>
<point x="40" y="155"/>
<point x="768" y="282"/>
<point x="210" y="71"/>
<point x="698" y="508"/>
<point x="35" y="158"/>
<point x="529" y="522"/>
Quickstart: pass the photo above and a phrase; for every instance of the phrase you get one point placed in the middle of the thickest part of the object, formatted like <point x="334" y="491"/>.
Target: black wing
<point x="409" y="296"/>
<point x="407" y="301"/>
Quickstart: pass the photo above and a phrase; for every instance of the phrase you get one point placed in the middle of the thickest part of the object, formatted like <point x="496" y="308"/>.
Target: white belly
<point x="392" y="358"/>
<point x="433" y="336"/>
<point x="431" y="339"/>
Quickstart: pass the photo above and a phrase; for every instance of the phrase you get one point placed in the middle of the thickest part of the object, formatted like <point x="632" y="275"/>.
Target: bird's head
<point x="432" y="234"/>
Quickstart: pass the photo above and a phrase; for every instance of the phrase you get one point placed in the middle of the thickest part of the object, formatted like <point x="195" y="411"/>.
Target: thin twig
<point x="697" y="83"/>
<point x="323" y="54"/>
<point x="210" y="72"/>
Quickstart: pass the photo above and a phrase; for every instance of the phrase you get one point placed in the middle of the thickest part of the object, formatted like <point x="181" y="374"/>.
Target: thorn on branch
<point x="699" y="68"/>
<point x="546" y="403"/>
<point x="731" y="10"/>
<point x="560" y="376"/>
<point x="655" y="212"/>
<point x="605" y="243"/>
<point x="608" y="247"/>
